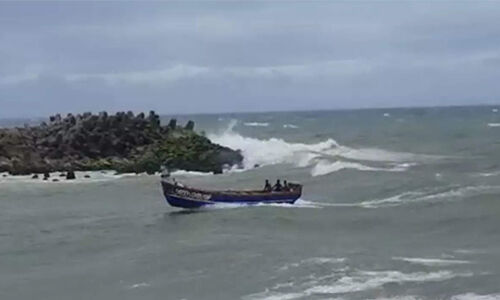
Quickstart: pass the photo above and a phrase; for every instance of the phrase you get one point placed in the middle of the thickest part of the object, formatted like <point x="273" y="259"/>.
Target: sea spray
<point x="324" y="157"/>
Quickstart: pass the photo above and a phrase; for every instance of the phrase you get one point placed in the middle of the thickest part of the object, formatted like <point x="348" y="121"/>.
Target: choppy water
<point x="397" y="204"/>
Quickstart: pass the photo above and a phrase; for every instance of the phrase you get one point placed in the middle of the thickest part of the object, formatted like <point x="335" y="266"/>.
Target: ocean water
<point x="397" y="204"/>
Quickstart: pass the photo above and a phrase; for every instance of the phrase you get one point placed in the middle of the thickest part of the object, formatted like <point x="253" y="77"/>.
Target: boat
<point x="178" y="195"/>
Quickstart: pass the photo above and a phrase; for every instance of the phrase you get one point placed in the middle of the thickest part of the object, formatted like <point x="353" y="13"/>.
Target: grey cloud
<point x="228" y="56"/>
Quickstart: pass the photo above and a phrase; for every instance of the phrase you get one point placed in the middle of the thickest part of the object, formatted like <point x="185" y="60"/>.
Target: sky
<point x="227" y="56"/>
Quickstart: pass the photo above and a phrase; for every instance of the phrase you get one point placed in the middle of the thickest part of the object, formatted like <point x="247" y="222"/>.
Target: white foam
<point x="270" y="151"/>
<point x="190" y="173"/>
<point x="270" y="295"/>
<point x="472" y="296"/>
<point x="432" y="262"/>
<point x="380" y="155"/>
<point x="298" y="204"/>
<point x="292" y="126"/>
<point x="325" y="167"/>
<point x="325" y="156"/>
<point x="224" y="206"/>
<point x="367" y="280"/>
<point x="422" y="196"/>
<point x="391" y="201"/>
<point x="470" y="251"/>
<point x="387" y="115"/>
<point x="358" y="281"/>
<point x="494" y="110"/>
<point x="415" y="197"/>
<point x="493" y="124"/>
<point x="489" y="174"/>
<point x="408" y="297"/>
<point x="308" y="204"/>
<point x="139" y="285"/>
<point x="256" y="124"/>
<point x="314" y="261"/>
<point x="274" y="296"/>
<point x="95" y="176"/>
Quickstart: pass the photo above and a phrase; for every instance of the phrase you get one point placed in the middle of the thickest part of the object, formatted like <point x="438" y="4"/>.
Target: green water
<point x="400" y="204"/>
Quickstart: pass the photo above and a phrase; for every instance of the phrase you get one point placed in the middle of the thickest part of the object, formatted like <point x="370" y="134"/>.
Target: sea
<point x="397" y="204"/>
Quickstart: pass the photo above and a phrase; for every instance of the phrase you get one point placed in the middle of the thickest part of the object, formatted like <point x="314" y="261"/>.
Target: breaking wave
<point x="290" y="126"/>
<point x="324" y="157"/>
<point x="493" y="124"/>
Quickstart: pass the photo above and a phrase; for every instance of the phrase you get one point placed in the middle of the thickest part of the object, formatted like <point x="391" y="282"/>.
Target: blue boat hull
<point x="184" y="197"/>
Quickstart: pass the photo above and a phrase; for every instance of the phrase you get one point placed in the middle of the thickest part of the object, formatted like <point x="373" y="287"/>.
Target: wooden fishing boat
<point x="179" y="195"/>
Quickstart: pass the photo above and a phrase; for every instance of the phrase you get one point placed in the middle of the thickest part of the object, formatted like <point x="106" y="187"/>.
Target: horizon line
<point x="265" y="111"/>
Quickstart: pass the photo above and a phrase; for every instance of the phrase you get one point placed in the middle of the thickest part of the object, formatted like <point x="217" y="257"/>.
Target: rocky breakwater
<point x="123" y="142"/>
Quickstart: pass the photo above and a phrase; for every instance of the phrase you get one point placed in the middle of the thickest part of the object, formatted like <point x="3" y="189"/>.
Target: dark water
<point x="398" y="204"/>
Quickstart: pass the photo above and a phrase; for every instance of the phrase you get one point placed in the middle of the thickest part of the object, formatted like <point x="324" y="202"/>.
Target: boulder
<point x="70" y="175"/>
<point x="172" y="124"/>
<point x="123" y="142"/>
<point x="189" y="125"/>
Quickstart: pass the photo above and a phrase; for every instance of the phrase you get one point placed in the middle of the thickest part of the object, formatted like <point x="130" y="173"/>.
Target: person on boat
<point x="267" y="186"/>
<point x="277" y="187"/>
<point x="286" y="188"/>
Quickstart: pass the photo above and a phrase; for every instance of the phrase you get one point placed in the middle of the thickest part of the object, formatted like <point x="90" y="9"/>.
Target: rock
<point x="70" y="175"/>
<point x="172" y="124"/>
<point x="86" y="176"/>
<point x="62" y="175"/>
<point x="121" y="142"/>
<point x="189" y="125"/>
<point x="5" y="163"/>
<point x="55" y="180"/>
<point x="35" y="176"/>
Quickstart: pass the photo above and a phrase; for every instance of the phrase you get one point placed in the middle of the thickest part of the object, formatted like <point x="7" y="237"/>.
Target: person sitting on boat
<point x="277" y="187"/>
<point x="267" y="186"/>
<point x="285" y="186"/>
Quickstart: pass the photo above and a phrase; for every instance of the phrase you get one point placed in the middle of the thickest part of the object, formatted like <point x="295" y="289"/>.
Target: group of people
<point x="277" y="187"/>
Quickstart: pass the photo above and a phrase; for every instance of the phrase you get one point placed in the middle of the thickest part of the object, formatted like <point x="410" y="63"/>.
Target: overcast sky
<point x="192" y="57"/>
